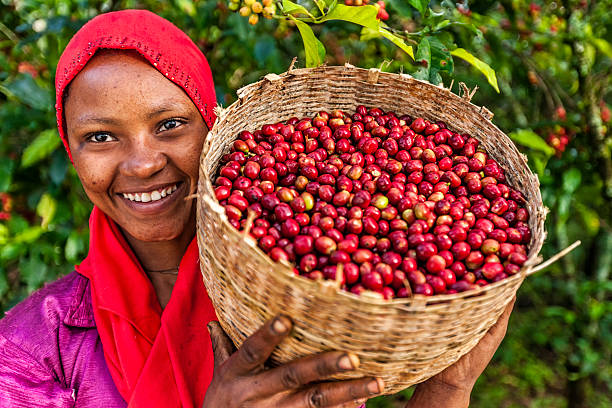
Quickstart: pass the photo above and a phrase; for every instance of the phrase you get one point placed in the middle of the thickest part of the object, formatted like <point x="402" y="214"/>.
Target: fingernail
<point x="278" y="326"/>
<point x="348" y="361"/>
<point x="376" y="386"/>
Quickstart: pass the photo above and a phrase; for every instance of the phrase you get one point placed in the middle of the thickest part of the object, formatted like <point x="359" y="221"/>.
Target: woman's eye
<point x="100" y="138"/>
<point x="170" y="124"/>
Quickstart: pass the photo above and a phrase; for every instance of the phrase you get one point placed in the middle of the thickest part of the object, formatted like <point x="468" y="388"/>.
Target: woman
<point x="129" y="326"/>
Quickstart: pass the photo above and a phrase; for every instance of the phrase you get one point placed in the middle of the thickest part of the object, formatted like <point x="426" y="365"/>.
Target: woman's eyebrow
<point x="96" y="119"/>
<point x="171" y="104"/>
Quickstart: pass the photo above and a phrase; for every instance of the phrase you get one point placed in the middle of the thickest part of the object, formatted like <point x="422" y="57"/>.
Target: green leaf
<point x="395" y="40"/>
<point x="27" y="91"/>
<point x="315" y="51"/>
<point x="187" y="6"/>
<point x="571" y="180"/>
<point x="423" y="58"/>
<point x="4" y="284"/>
<point x="4" y="234"/>
<point x="441" y="60"/>
<point x="364" y="15"/>
<point x="604" y="46"/>
<point x="482" y="66"/>
<point x="33" y="271"/>
<point x="290" y="7"/>
<point x="321" y="5"/>
<point x="41" y="147"/>
<point x="590" y="218"/>
<point x="46" y="209"/>
<point x="369" y="34"/>
<point x="75" y="245"/>
<point x="28" y="236"/>
<point x="420" y="5"/>
<point x="530" y="139"/>
<point x="6" y="173"/>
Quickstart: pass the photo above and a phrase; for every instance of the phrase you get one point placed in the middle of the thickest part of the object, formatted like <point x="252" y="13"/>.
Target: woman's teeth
<point x="150" y="196"/>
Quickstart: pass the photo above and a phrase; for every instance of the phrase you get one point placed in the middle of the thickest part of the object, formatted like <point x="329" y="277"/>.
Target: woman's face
<point x="135" y="139"/>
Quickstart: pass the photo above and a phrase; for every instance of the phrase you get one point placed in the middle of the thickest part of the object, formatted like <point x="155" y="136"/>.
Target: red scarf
<point x="156" y="359"/>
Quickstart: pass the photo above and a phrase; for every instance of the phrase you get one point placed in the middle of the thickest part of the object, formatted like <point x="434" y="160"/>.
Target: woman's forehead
<point x="114" y="78"/>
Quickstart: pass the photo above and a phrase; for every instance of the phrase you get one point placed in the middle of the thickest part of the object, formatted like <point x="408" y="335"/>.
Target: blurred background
<point x="552" y="64"/>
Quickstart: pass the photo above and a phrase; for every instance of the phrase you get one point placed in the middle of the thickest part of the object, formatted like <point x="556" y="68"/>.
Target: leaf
<point x="321" y="5"/>
<point x="187" y="7"/>
<point x="4" y="234"/>
<point x="571" y="180"/>
<point x="27" y="91"/>
<point x="420" y="5"/>
<point x="46" y="209"/>
<point x="4" y="284"/>
<point x="395" y="40"/>
<point x="315" y="51"/>
<point x="33" y="271"/>
<point x="290" y="7"/>
<point x="482" y="66"/>
<point x="58" y="167"/>
<point x="604" y="46"/>
<point x="530" y="139"/>
<point x="364" y="15"/>
<point x="441" y="60"/>
<point x="75" y="245"/>
<point x="423" y="58"/>
<point x="41" y="147"/>
<point x="590" y="218"/>
<point x="6" y="173"/>
<point x="369" y="34"/>
<point x="29" y="235"/>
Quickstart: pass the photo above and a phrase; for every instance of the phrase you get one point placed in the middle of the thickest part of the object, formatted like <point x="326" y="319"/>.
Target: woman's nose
<point x="144" y="159"/>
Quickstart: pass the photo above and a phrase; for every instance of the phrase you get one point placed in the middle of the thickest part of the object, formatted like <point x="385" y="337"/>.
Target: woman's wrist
<point x="438" y="394"/>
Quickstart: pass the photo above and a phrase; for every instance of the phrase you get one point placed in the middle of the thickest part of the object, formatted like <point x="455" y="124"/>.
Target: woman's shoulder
<point x="39" y="318"/>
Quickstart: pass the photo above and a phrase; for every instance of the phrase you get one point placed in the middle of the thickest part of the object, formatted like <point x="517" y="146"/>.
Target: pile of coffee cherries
<point x="376" y="201"/>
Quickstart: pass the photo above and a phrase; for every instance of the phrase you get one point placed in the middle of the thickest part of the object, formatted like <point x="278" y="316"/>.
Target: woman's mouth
<point x="151" y="196"/>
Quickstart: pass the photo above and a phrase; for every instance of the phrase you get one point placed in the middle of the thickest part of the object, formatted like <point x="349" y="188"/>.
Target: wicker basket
<point x="403" y="341"/>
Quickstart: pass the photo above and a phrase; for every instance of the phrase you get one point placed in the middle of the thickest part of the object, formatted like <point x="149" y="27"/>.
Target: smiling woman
<point x="137" y="156"/>
<point x="128" y="326"/>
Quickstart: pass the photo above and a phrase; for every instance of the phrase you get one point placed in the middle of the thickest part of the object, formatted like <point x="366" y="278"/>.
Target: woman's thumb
<point x="221" y="344"/>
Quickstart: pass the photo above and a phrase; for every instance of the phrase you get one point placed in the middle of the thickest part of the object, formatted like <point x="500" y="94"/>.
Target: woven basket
<point x="403" y="341"/>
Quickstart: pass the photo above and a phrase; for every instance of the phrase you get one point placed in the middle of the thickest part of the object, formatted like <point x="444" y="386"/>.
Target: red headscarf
<point x="156" y="359"/>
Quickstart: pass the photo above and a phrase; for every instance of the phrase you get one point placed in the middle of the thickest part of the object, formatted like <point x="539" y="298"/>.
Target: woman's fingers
<point x="353" y="404"/>
<point x="306" y="370"/>
<point x="497" y="332"/>
<point x="257" y="348"/>
<point x="331" y="394"/>
<point x="221" y="344"/>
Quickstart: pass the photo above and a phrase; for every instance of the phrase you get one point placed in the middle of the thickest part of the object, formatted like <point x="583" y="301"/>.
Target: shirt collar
<point x="80" y="312"/>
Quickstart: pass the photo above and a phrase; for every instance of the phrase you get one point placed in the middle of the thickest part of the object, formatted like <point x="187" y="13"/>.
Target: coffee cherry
<point x="387" y="197"/>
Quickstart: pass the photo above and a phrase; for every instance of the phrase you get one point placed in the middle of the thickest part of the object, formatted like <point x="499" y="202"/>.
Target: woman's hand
<point x="452" y="387"/>
<point x="240" y="379"/>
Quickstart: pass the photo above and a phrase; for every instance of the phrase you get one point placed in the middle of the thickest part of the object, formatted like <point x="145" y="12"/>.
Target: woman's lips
<point x="154" y="195"/>
<point x="154" y="201"/>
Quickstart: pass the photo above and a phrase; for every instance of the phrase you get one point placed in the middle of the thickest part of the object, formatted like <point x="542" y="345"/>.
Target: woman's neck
<point x="160" y="259"/>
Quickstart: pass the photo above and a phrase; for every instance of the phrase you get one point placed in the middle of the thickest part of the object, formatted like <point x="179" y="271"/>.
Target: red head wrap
<point x="155" y="359"/>
<point x="160" y="42"/>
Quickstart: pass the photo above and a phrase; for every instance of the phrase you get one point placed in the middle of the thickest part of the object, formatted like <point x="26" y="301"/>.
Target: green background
<point x="547" y="56"/>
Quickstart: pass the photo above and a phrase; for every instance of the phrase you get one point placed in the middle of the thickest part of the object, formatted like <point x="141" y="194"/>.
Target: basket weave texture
<point x="403" y="341"/>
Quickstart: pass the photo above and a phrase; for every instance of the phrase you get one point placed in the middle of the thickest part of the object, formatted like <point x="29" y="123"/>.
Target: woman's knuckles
<point x="291" y="378"/>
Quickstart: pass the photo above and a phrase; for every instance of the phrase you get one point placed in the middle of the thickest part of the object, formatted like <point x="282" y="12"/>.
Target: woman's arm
<point x="452" y="387"/>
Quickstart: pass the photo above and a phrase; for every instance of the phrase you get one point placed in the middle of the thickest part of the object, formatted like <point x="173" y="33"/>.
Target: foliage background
<point x="553" y="65"/>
